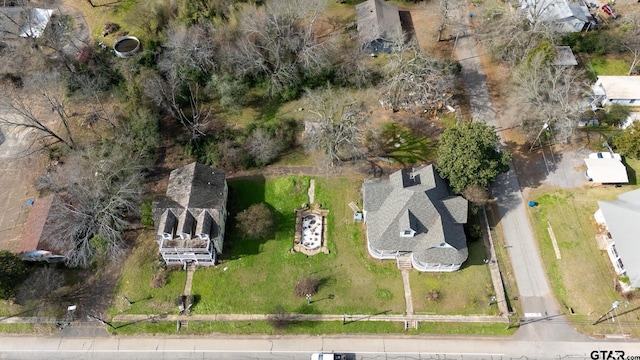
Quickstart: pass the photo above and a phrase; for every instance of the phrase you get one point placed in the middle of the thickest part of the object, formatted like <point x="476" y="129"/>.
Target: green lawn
<point x="135" y="282"/>
<point x="314" y="328"/>
<point x="583" y="278"/>
<point x="257" y="276"/>
<point x="609" y="66"/>
<point x="474" y="278"/>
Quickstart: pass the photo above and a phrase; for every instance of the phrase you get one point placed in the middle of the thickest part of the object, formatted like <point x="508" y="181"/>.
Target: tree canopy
<point x="468" y="155"/>
<point x="628" y="142"/>
<point x="12" y="273"/>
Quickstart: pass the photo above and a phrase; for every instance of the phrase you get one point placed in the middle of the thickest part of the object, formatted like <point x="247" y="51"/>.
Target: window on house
<point x="407" y="233"/>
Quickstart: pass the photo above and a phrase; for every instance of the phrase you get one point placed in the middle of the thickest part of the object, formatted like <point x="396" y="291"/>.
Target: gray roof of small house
<point x="377" y="19"/>
<point x="423" y="201"/>
<point x="564" y="57"/>
<point x="623" y="218"/>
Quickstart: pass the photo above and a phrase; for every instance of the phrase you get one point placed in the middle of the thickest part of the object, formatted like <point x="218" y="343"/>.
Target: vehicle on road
<point x="332" y="356"/>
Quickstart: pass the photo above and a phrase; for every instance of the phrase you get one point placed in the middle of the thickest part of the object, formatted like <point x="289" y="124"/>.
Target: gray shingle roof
<point x="196" y="186"/>
<point x="377" y="20"/>
<point x="422" y="201"/>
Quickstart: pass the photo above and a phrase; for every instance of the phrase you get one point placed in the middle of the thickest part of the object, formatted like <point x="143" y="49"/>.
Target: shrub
<point x="256" y="221"/>
<point x="384" y="294"/>
<point x="159" y="279"/>
<point x="146" y="214"/>
<point x="13" y="272"/>
<point x="433" y="295"/>
<point x="306" y="286"/>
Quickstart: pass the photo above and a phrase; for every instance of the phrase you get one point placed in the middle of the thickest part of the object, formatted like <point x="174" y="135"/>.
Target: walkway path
<point x="314" y="317"/>
<point x="407" y="292"/>
<point x="535" y="294"/>
<point x="191" y="268"/>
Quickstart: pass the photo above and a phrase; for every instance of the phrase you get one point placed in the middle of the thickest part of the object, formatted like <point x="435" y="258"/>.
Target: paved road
<point x="535" y="295"/>
<point x="299" y="347"/>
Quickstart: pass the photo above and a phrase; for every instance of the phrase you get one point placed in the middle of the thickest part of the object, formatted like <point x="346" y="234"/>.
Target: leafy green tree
<point x="13" y="272"/>
<point x="614" y="115"/>
<point x="628" y="142"/>
<point x="468" y="155"/>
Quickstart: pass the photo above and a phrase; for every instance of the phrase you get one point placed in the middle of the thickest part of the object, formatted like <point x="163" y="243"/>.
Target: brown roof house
<point x="378" y="25"/>
<point x="191" y="218"/>
<point x="37" y="242"/>
<point x="413" y="215"/>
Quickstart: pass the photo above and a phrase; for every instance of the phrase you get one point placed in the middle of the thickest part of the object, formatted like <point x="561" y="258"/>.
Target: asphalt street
<point x="300" y="347"/>
<point x="535" y="294"/>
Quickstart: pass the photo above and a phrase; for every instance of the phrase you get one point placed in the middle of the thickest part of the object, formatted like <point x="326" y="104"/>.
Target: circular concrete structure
<point x="126" y="46"/>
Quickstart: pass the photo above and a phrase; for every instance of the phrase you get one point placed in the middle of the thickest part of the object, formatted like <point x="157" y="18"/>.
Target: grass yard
<point x="135" y="282"/>
<point x="257" y="276"/>
<point x="312" y="328"/>
<point x="474" y="278"/>
<point x="607" y="65"/>
<point x="583" y="279"/>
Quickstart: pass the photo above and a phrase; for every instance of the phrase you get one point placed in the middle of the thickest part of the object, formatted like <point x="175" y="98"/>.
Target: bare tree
<point x="417" y="81"/>
<point x="553" y="94"/>
<point x="98" y="189"/>
<point x="25" y="108"/>
<point x="509" y="34"/>
<point x="182" y="100"/>
<point x="263" y="146"/>
<point x="188" y="49"/>
<point x="339" y="125"/>
<point x="278" y="41"/>
<point x="630" y="30"/>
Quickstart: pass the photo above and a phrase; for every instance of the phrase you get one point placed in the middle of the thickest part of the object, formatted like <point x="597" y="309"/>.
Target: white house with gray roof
<point x="561" y="15"/>
<point x="378" y="25"/>
<point x="622" y="90"/>
<point x="191" y="218"/>
<point x="622" y="220"/>
<point x="413" y="213"/>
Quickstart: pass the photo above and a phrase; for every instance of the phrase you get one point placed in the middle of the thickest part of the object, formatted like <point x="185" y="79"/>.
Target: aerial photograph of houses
<point x="348" y="179"/>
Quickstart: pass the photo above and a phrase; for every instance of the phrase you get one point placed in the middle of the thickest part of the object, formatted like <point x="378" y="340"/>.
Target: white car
<point x="605" y="155"/>
<point x="327" y="356"/>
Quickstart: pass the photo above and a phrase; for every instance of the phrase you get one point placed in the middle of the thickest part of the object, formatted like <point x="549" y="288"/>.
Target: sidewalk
<point x="316" y="317"/>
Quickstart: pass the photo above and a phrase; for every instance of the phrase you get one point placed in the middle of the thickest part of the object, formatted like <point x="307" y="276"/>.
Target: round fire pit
<point x="126" y="46"/>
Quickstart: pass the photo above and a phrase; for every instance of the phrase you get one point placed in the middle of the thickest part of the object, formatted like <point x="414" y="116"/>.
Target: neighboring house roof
<point x="378" y="20"/>
<point x="618" y="87"/>
<point x="564" y="57"/>
<point x="37" y="22"/>
<point x="564" y="15"/>
<point x="37" y="234"/>
<point x="418" y="200"/>
<point x="195" y="186"/>
<point x="606" y="171"/>
<point x="623" y="221"/>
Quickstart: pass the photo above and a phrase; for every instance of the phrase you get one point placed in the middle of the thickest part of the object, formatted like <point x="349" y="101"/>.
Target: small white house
<point x="606" y="169"/>
<point x="622" y="220"/>
<point x="622" y="90"/>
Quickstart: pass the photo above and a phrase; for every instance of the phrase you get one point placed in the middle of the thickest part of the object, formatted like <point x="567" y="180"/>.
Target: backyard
<point x="259" y="276"/>
<point x="583" y="279"/>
